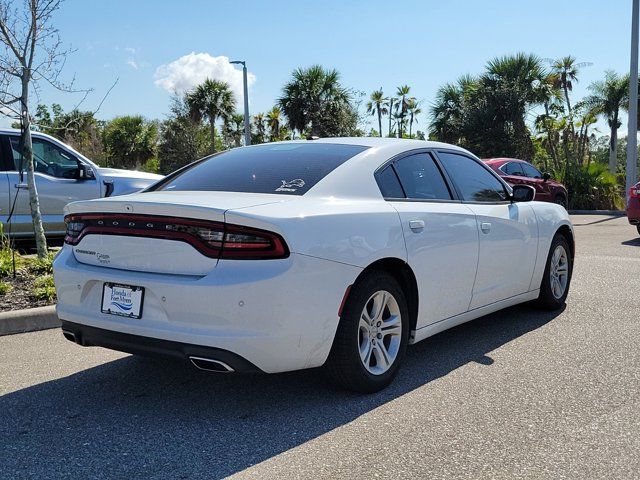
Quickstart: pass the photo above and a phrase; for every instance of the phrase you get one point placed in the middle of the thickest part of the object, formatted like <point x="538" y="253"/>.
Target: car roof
<point x="501" y="160"/>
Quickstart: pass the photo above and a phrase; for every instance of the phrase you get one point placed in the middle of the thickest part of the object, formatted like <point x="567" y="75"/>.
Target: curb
<point x="28" y="320"/>
<point x="615" y="213"/>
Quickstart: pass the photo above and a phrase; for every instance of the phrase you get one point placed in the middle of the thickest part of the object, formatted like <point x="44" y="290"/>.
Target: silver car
<point x="63" y="175"/>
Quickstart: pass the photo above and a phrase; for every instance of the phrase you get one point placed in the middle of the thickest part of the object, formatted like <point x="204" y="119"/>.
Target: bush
<point x="592" y="187"/>
<point x="45" y="288"/>
<point x="4" y="288"/>
<point x="42" y="266"/>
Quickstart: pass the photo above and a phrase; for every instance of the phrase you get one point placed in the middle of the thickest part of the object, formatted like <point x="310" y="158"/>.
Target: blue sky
<point x="372" y="43"/>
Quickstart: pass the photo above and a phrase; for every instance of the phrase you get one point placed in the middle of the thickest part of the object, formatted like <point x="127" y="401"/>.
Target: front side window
<point x="282" y="168"/>
<point x="48" y="158"/>
<point x="421" y="178"/>
<point x="513" y="168"/>
<point x="474" y="182"/>
<point x="531" y="171"/>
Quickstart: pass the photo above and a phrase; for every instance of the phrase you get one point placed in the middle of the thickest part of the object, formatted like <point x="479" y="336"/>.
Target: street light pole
<point x="632" y="136"/>
<point x="247" y="124"/>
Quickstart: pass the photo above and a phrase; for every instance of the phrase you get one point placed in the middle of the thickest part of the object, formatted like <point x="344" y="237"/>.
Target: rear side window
<point x="474" y="182"/>
<point x="285" y="168"/>
<point x="513" y="168"/>
<point x="389" y="184"/>
<point x="421" y="178"/>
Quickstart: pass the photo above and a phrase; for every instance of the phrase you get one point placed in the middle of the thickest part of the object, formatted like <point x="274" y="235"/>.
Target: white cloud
<point x="190" y="70"/>
<point x="132" y="63"/>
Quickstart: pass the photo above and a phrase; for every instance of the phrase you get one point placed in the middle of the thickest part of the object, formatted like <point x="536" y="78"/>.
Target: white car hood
<point x="115" y="173"/>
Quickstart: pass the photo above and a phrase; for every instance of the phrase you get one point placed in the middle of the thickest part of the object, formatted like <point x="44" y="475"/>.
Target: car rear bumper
<point x="98" y="337"/>
<point x="633" y="211"/>
<point x="274" y="315"/>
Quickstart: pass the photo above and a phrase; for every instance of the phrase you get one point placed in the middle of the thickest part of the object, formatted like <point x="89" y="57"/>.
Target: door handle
<point x="416" y="225"/>
<point x="22" y="185"/>
<point x="485" y="227"/>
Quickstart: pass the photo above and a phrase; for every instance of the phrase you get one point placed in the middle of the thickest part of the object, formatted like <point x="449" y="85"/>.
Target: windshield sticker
<point x="290" y="186"/>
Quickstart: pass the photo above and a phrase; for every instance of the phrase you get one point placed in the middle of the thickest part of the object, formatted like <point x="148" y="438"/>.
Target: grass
<point x="4" y="287"/>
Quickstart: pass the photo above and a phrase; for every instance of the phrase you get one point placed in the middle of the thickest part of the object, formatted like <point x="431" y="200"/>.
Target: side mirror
<point x="523" y="193"/>
<point x="546" y="176"/>
<point x="84" y="172"/>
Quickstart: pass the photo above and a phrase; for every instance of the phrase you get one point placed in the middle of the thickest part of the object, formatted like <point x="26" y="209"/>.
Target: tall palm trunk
<point x="613" y="145"/>
<point x="27" y="154"/>
<point x="379" y="120"/>
<point x="212" y="128"/>
<point x="566" y="97"/>
<point x="390" y="115"/>
<point x="410" y="125"/>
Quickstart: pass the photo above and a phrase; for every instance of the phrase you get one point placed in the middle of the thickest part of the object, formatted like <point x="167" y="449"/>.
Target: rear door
<point x="440" y="234"/>
<point x="56" y="182"/>
<point x="508" y="231"/>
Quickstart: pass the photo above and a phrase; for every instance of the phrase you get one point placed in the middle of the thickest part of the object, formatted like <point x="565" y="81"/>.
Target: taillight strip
<point x="269" y="245"/>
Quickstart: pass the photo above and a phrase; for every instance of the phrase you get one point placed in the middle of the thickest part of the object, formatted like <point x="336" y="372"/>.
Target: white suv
<point x="63" y="175"/>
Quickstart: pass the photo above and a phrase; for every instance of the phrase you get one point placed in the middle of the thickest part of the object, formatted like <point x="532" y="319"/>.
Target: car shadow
<point x="137" y="417"/>
<point x="635" y="242"/>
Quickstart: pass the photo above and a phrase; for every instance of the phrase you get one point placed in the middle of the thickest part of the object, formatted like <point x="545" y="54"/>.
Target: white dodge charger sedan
<point x="336" y="252"/>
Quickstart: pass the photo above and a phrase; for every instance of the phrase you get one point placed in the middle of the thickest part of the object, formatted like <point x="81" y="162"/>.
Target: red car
<point x="518" y="171"/>
<point x="633" y="208"/>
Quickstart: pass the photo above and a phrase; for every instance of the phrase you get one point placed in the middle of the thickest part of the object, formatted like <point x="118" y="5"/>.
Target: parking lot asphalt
<point x="521" y="393"/>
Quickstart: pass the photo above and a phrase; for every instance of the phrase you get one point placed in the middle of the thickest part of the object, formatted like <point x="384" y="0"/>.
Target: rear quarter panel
<point x="352" y="231"/>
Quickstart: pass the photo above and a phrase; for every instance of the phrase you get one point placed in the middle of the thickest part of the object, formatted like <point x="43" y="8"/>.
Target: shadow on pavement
<point x="635" y="242"/>
<point x="137" y="417"/>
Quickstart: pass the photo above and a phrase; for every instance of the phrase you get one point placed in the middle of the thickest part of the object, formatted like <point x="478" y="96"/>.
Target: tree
<point x="211" y="100"/>
<point x="30" y="53"/>
<point x="182" y="139"/>
<point x="390" y="104"/>
<point x="234" y="130"/>
<point x="402" y="93"/>
<point x="130" y="141"/>
<point x="376" y="105"/>
<point x="447" y="111"/>
<point x="607" y="98"/>
<point x="413" y="109"/>
<point x="259" y="123"/>
<point x="274" y="119"/>
<point x="566" y="71"/>
<point x="314" y="101"/>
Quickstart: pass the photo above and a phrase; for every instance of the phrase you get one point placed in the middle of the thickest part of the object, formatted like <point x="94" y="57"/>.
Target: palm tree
<point x="259" y="122"/>
<point x="235" y="127"/>
<point x="402" y="92"/>
<point x="607" y="98"/>
<point x="566" y="74"/>
<point x="447" y="110"/>
<point x="390" y="104"/>
<point x="212" y="100"/>
<point x="376" y="105"/>
<point x="273" y="120"/>
<point x="315" y="100"/>
<point x="413" y="108"/>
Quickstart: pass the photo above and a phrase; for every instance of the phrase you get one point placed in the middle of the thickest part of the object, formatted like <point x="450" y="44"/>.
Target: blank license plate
<point x="123" y="300"/>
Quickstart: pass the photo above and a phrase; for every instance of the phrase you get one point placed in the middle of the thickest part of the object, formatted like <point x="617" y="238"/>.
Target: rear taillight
<point x="213" y="239"/>
<point x="634" y="192"/>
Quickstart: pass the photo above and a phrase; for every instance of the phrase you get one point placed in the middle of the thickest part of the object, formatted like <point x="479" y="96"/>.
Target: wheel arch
<point x="567" y="233"/>
<point x="403" y="274"/>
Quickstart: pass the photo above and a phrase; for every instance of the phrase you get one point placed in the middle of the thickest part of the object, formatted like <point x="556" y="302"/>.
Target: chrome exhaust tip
<point x="210" y="365"/>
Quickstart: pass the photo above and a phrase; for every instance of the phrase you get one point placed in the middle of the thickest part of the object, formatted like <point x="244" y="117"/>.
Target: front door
<point x="507" y="231"/>
<point x="56" y="182"/>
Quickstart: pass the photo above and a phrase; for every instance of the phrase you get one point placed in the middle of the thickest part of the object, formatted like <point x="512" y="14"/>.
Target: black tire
<point x="344" y="366"/>
<point x="547" y="299"/>
<point x="560" y="200"/>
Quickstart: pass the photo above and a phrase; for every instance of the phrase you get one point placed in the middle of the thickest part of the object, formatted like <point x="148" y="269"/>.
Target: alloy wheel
<point x="380" y="332"/>
<point x="559" y="271"/>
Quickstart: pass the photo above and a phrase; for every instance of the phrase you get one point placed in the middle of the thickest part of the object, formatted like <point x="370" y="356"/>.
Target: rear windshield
<point x="285" y="168"/>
